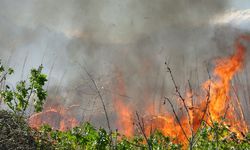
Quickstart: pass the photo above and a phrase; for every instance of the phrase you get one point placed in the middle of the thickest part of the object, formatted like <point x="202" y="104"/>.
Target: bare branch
<point x="191" y="123"/>
<point x="182" y="99"/>
<point x="178" y="92"/>
<point x="242" y="115"/>
<point x="177" y="118"/>
<point x="99" y="94"/>
<point x="24" y="63"/>
<point x="206" y="108"/>
<point x="102" y="101"/>
<point x="140" y="124"/>
<point x="207" y="101"/>
<point x="50" y="73"/>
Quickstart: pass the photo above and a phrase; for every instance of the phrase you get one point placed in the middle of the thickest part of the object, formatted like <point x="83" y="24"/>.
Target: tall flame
<point x="214" y="106"/>
<point x="226" y="68"/>
<point x="124" y="113"/>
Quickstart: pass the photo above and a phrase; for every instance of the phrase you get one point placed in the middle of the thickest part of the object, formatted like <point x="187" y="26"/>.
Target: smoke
<point x="133" y="36"/>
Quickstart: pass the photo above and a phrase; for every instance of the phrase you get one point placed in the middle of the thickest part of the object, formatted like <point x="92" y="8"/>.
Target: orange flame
<point x="212" y="107"/>
<point x="123" y="111"/>
<point x="57" y="117"/>
<point x="220" y="100"/>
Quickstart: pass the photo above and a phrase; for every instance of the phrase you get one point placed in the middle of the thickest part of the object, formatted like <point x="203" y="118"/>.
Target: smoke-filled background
<point x="109" y="37"/>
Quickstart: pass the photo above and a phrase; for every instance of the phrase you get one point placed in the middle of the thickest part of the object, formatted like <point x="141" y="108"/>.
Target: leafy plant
<point x="219" y="136"/>
<point x="87" y="137"/>
<point x="82" y="137"/>
<point x="18" y="99"/>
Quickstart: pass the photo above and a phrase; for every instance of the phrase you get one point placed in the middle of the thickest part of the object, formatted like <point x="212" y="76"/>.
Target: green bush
<point x="219" y="136"/>
<point x="90" y="138"/>
<point x="87" y="137"/>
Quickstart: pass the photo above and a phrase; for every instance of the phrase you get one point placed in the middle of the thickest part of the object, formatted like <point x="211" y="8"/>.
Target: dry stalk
<point x="140" y="125"/>
<point x="207" y="102"/>
<point x="102" y="101"/>
<point x="242" y="115"/>
<point x="24" y="64"/>
<point x="192" y="109"/>
<point x="180" y="96"/>
<point x="50" y="73"/>
<point x="100" y="96"/>
<point x="227" y="108"/>
<point x="205" y="111"/>
<point x="177" y="118"/>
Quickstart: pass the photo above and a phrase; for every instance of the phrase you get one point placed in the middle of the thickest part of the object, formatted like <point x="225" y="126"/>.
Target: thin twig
<point x="184" y="104"/>
<point x="227" y="108"/>
<point x="60" y="82"/>
<point x="177" y="118"/>
<point x="100" y="96"/>
<point x="141" y="128"/>
<point x="192" y="110"/>
<point x="24" y="63"/>
<point x="191" y="91"/>
<point x="179" y="94"/>
<point x="204" y="112"/>
<point x="242" y="115"/>
<point x="207" y="102"/>
<point x="50" y="73"/>
<point x="3" y="77"/>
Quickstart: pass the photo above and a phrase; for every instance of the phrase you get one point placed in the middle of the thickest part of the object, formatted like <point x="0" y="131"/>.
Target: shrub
<point x="15" y="132"/>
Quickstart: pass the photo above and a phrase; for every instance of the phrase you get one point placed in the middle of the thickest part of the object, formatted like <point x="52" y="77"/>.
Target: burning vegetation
<point x="216" y="103"/>
<point x="211" y="117"/>
<point x="106" y="83"/>
<point x="57" y="117"/>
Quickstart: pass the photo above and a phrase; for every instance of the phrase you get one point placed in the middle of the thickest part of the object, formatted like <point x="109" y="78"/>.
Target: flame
<point x="215" y="105"/>
<point x="221" y="99"/>
<point x="218" y="103"/>
<point x="57" y="117"/>
<point x="124" y="113"/>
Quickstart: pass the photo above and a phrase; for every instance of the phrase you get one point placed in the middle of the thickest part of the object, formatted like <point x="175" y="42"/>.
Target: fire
<point x="123" y="111"/>
<point x="218" y="102"/>
<point x="215" y="105"/>
<point x="166" y="123"/>
<point x="220" y="99"/>
<point x="57" y="117"/>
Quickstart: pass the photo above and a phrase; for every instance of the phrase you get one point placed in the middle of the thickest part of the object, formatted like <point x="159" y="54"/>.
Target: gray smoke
<point x="135" y="36"/>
